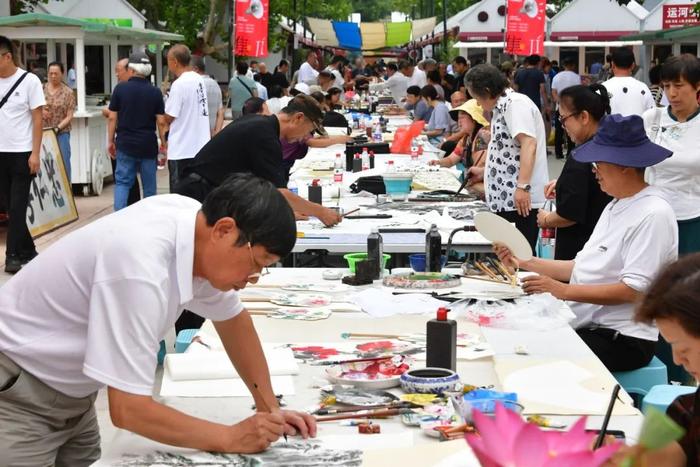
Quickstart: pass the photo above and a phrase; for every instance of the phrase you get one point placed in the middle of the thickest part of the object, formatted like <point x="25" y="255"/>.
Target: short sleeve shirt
<point x="628" y="96"/>
<point x="137" y="103"/>
<point x="241" y="88"/>
<point x="514" y="114"/>
<point x="633" y="240"/>
<point x="250" y="144"/>
<point x="16" y="114"/>
<point x="440" y="118"/>
<point x="58" y="104"/>
<point x="187" y="102"/>
<point x="579" y="199"/>
<point x="528" y="81"/>
<point x="213" y="99"/>
<point x="109" y="294"/>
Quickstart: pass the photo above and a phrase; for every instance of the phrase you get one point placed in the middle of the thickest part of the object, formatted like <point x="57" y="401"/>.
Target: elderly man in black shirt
<point x="253" y="145"/>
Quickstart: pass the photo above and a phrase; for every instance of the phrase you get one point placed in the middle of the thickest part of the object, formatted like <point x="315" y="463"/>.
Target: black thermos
<point x="315" y="192"/>
<point x="357" y="164"/>
<point x="433" y="250"/>
<point x="375" y="252"/>
<point x="441" y="344"/>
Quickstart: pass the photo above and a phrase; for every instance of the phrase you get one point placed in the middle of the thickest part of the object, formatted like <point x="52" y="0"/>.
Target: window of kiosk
<point x="568" y="52"/>
<point x="661" y="52"/>
<point x="593" y="55"/>
<point x="476" y="56"/>
<point x="689" y="49"/>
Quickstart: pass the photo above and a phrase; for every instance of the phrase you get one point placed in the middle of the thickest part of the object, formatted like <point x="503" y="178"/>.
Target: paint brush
<point x="351" y="335"/>
<point x="606" y="420"/>
<point x="364" y="414"/>
<point x="506" y="277"/>
<point x="392" y="405"/>
<point x="265" y="407"/>
<point x="350" y="212"/>
<point x="354" y="360"/>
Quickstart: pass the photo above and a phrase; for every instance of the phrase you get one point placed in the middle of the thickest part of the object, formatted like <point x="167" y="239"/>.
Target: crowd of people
<point x="627" y="199"/>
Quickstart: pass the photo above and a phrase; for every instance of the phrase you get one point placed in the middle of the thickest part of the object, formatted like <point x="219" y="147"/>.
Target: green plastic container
<point x="353" y="258"/>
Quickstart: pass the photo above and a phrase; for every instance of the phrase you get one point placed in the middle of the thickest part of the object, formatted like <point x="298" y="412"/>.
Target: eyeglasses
<point x="263" y="269"/>
<point x="563" y="120"/>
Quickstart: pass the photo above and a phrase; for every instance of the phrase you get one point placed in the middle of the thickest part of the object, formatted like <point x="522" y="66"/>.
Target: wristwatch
<point x="525" y="187"/>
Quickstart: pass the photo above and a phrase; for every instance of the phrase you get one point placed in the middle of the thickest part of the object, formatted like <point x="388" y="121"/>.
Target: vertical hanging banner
<point x="251" y="27"/>
<point x="525" y="25"/>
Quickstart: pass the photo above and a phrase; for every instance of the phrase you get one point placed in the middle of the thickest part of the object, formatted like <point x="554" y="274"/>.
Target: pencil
<point x="265" y="407"/>
<point x="364" y="414"/>
<point x="350" y="335"/>
<point x="350" y="212"/>
<point x="606" y="420"/>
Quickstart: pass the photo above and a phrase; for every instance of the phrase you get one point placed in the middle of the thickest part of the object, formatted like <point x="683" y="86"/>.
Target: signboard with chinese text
<point x="251" y="28"/>
<point x="676" y="16"/>
<point x="51" y="203"/>
<point x="525" y="24"/>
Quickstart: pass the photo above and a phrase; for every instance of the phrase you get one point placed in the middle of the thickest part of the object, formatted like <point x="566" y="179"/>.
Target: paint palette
<point x="302" y="300"/>
<point x="384" y="374"/>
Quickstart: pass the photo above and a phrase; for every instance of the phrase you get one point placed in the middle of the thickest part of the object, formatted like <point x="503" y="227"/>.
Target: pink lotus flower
<point x="508" y="441"/>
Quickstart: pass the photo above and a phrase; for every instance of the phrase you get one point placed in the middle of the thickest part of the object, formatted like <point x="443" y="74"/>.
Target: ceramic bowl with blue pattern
<point x="429" y="380"/>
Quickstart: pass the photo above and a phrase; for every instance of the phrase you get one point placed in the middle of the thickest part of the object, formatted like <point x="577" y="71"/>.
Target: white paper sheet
<point x="381" y="303"/>
<point x="561" y="387"/>
<point x="403" y="439"/>
<point x="217" y="365"/>
<point x="234" y="387"/>
<point x="468" y="353"/>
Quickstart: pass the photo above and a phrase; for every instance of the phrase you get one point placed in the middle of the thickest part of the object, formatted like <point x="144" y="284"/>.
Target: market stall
<point x="107" y="44"/>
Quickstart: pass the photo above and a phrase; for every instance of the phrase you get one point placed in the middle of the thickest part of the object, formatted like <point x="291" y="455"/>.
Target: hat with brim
<point x="622" y="141"/>
<point x="473" y="109"/>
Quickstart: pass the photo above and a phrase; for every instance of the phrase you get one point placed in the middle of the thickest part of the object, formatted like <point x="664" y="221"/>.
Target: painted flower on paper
<point x="508" y="441"/>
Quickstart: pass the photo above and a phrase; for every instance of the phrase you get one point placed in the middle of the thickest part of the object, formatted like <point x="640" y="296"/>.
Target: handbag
<point x="373" y="184"/>
<point x="6" y="97"/>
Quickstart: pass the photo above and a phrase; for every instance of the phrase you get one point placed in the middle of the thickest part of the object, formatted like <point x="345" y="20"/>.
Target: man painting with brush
<point x="109" y="293"/>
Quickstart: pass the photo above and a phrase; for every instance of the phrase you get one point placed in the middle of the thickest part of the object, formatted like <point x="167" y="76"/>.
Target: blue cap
<point x="622" y="141"/>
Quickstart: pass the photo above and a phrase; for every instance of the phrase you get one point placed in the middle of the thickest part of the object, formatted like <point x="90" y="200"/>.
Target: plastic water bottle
<point x="414" y="149"/>
<point x="162" y="158"/>
<point x="338" y="165"/>
<point x="390" y="167"/>
<point x="377" y="135"/>
<point x="292" y="186"/>
<point x="547" y="242"/>
<point x="365" y="159"/>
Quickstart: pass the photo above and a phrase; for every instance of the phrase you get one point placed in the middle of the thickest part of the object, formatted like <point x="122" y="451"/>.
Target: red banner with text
<point x="676" y="16"/>
<point x="525" y="23"/>
<point x="251" y="27"/>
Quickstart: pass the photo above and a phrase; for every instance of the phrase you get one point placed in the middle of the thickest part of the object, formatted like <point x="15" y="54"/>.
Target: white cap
<point x="302" y="87"/>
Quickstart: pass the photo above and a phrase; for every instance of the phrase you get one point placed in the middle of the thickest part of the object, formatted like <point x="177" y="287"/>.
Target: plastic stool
<point x="184" y="339"/>
<point x="662" y="395"/>
<point x="161" y="353"/>
<point x="641" y="381"/>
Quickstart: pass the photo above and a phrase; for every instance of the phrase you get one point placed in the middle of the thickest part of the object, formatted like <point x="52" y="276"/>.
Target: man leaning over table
<point x="109" y="294"/>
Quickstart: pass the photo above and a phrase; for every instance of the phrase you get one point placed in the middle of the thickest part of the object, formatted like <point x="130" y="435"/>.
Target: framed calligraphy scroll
<point x="51" y="203"/>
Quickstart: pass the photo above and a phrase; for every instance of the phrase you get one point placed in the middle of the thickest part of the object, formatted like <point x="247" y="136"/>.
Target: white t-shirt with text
<point x="16" y="115"/>
<point x="187" y="102"/>
<point x="92" y="309"/>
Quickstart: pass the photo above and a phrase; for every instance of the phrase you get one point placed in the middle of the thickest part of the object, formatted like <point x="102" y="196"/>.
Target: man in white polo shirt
<point x="187" y="113"/>
<point x="21" y="101"/>
<point x="91" y="310"/>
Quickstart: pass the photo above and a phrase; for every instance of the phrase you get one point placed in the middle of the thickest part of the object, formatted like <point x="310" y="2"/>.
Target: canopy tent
<point x="367" y="36"/>
<point x="323" y="29"/>
<point x="348" y="35"/>
<point x="373" y="36"/>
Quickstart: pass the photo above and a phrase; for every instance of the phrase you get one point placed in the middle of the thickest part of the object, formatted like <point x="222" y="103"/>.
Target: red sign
<point x="676" y="16"/>
<point x="525" y="27"/>
<point x="251" y="27"/>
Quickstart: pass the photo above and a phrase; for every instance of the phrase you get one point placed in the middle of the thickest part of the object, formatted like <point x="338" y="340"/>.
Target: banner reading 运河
<point x="251" y="27"/>
<point x="525" y="24"/>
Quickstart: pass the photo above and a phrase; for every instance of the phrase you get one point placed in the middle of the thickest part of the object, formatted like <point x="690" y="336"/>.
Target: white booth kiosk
<point x="89" y="160"/>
